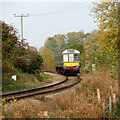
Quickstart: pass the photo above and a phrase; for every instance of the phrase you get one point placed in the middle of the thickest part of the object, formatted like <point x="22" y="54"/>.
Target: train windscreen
<point x="76" y="57"/>
<point x="71" y="57"/>
<point x="65" y="58"/>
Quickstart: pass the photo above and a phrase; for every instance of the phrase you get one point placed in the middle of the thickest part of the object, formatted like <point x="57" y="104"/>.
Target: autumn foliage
<point x="12" y="47"/>
<point x="16" y="53"/>
<point x="106" y="15"/>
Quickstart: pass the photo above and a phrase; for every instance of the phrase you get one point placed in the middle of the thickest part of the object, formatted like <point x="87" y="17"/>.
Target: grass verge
<point x="23" y="81"/>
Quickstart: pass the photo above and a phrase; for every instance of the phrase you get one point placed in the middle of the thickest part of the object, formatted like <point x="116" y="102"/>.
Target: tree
<point x="106" y="14"/>
<point x="32" y="48"/>
<point x="51" y="44"/>
<point x="86" y="35"/>
<point x="92" y="47"/>
<point x="61" y="43"/>
<point x="11" y="46"/>
<point x="48" y="58"/>
<point x="78" y="46"/>
<point x="75" y="37"/>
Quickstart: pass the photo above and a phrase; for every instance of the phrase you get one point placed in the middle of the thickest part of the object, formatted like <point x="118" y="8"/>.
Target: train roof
<point x="70" y="51"/>
<point x="67" y="51"/>
<point x="58" y="54"/>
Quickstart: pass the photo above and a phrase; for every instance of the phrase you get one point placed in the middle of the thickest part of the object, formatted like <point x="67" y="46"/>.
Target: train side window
<point x="71" y="57"/>
<point x="65" y="58"/>
<point x="76" y="56"/>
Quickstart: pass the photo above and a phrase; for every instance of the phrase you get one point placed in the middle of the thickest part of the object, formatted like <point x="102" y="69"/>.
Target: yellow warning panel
<point x="71" y="64"/>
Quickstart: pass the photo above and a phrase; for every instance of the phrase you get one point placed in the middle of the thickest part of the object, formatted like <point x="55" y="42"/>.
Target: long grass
<point x="23" y="81"/>
<point x="82" y="103"/>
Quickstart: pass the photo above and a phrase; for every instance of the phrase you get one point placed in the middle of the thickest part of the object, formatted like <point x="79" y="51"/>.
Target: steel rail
<point x="34" y="89"/>
<point x="44" y="92"/>
<point x="51" y="71"/>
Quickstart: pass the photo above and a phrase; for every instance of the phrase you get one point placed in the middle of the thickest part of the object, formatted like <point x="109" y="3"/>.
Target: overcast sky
<point x="48" y="18"/>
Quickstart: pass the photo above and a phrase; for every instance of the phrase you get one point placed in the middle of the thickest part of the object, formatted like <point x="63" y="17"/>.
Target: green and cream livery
<point x="68" y="61"/>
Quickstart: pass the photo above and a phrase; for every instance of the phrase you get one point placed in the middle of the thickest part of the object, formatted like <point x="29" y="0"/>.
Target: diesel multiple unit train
<point x="68" y="61"/>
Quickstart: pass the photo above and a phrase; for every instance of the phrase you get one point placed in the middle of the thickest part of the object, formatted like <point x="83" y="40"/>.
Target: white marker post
<point x="14" y="77"/>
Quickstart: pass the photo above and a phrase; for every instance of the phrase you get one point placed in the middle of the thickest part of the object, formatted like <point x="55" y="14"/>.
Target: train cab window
<point x="65" y="58"/>
<point x="71" y="57"/>
<point x="76" y="57"/>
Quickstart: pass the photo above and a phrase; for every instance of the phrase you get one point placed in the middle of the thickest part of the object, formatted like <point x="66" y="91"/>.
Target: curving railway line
<point x="42" y="90"/>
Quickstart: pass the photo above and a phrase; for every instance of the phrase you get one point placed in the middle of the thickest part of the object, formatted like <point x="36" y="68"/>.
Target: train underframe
<point x="68" y="70"/>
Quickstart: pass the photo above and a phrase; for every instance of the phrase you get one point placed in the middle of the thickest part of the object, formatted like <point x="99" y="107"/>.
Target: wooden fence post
<point x="93" y="67"/>
<point x="103" y="106"/>
<point x="98" y="94"/>
<point x="111" y="91"/>
<point x="114" y="100"/>
<point x="110" y="104"/>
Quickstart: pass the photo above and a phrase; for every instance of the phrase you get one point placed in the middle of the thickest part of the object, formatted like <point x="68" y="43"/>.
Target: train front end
<point x="71" y="61"/>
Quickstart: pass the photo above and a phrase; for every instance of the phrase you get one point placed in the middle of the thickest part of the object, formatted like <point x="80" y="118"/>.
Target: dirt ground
<point x="55" y="77"/>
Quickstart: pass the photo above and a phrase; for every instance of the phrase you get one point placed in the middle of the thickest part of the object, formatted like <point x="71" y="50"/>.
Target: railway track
<point x="42" y="90"/>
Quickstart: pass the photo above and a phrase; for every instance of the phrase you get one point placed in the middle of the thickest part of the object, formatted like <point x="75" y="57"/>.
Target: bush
<point x="31" y="66"/>
<point x="35" y="64"/>
<point x="21" y="64"/>
<point x="8" y="68"/>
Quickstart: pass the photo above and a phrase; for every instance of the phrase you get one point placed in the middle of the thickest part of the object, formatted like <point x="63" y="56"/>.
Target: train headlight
<point x="65" y="68"/>
<point x="77" y="67"/>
